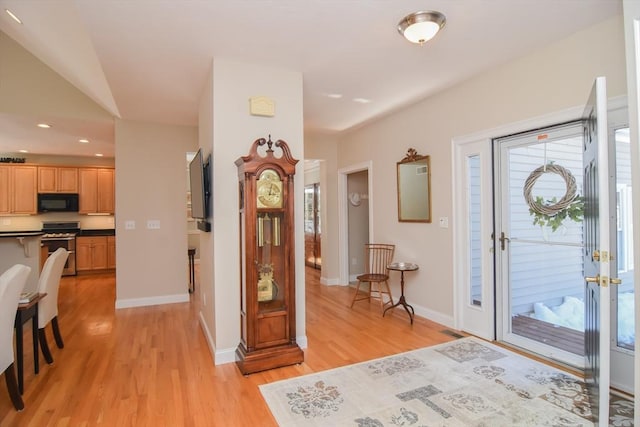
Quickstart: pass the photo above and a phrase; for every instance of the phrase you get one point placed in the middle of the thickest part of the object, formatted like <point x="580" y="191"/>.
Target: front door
<point x="597" y="252"/>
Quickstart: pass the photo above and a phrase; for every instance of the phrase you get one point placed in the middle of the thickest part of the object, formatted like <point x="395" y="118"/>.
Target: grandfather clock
<point x="267" y="264"/>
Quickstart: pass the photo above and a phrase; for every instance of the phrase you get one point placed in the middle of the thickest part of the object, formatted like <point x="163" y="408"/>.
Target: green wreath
<point x="553" y="212"/>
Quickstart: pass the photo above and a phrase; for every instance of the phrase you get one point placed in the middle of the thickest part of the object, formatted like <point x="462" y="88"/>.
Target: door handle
<point x="503" y="239"/>
<point x="593" y="279"/>
<point x="615" y="281"/>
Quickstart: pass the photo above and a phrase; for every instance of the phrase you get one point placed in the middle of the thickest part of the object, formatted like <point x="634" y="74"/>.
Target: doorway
<point x="355" y="198"/>
<point x="312" y="226"/>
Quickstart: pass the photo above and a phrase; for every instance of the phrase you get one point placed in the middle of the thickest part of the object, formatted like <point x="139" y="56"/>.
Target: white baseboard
<point x="434" y="316"/>
<point x="207" y="336"/>
<point x="220" y="357"/>
<point x="302" y="341"/>
<point x="330" y="282"/>
<point x="159" y="300"/>
<point x="227" y="355"/>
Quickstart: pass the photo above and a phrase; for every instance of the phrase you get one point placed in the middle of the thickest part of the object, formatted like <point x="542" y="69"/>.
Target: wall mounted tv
<point x="200" y="185"/>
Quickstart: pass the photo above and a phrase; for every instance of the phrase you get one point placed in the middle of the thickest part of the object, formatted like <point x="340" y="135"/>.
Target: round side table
<point x="402" y="267"/>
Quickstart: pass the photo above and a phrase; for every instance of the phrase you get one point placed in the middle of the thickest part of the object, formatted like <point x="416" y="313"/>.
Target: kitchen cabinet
<point x="53" y="179"/>
<point x="96" y="189"/>
<point x="91" y="253"/>
<point x="18" y="186"/>
<point x="111" y="251"/>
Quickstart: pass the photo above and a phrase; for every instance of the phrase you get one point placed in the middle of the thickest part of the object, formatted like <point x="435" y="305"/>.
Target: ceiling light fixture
<point x="420" y="27"/>
<point x="84" y="141"/>
<point x="361" y="100"/>
<point x="43" y="125"/>
<point x="99" y="154"/>
<point x="13" y="15"/>
<point x="23" y="151"/>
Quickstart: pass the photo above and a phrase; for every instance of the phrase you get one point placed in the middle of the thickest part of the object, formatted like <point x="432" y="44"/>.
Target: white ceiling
<point x="148" y="59"/>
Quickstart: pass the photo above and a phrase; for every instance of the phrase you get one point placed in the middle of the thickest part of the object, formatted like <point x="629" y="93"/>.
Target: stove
<point x="62" y="234"/>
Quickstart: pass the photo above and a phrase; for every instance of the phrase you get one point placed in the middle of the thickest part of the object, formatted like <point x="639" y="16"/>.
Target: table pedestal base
<point x="406" y="306"/>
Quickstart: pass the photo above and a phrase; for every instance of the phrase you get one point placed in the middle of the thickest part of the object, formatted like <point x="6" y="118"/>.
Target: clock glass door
<point x="270" y="263"/>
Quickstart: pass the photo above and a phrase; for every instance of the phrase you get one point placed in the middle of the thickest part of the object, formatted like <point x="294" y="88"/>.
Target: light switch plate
<point x="129" y="225"/>
<point x="153" y="224"/>
<point x="444" y="222"/>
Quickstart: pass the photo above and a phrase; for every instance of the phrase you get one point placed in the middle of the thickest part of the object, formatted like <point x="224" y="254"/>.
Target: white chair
<point x="12" y="284"/>
<point x="48" y="307"/>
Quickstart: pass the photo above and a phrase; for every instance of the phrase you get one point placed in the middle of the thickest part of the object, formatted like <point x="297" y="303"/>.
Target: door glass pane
<point x="544" y="252"/>
<point x="475" y="270"/>
<point x="624" y="233"/>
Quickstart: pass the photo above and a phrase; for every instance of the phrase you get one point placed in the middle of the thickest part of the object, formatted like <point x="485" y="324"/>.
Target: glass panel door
<point x="312" y="233"/>
<point x="540" y="254"/>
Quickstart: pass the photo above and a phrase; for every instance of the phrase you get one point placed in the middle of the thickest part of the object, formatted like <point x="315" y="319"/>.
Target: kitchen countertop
<point x="20" y="233"/>
<point x="97" y="232"/>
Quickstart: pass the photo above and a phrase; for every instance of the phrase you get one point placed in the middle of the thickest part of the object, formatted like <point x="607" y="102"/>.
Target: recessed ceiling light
<point x="334" y="95"/>
<point x="23" y="151"/>
<point x="11" y="14"/>
<point x="44" y="125"/>
<point x="361" y="100"/>
<point x="99" y="154"/>
<point x="84" y="140"/>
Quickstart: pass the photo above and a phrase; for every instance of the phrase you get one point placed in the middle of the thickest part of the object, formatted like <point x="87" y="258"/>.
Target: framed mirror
<point x="414" y="188"/>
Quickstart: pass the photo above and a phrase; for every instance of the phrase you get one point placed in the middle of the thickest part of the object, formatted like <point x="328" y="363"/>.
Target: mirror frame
<point x="413" y="157"/>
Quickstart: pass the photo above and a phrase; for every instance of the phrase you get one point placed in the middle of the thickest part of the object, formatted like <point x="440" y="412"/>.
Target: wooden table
<point x="25" y="312"/>
<point x="402" y="267"/>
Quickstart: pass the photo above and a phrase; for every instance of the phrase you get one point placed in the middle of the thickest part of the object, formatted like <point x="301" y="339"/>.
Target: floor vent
<point x="451" y="333"/>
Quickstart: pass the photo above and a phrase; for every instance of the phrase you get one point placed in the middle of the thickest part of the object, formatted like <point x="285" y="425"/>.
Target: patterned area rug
<point x="467" y="382"/>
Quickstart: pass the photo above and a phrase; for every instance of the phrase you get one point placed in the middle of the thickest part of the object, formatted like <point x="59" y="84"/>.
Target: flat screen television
<point x="200" y="190"/>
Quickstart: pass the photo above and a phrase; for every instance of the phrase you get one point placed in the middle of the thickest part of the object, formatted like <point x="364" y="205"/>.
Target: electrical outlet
<point x="6" y="221"/>
<point x="354" y="261"/>
<point x="153" y="224"/>
<point x="129" y="225"/>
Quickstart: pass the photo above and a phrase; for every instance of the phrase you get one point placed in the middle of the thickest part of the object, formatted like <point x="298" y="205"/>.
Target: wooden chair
<point x="12" y="284"/>
<point x="48" y="308"/>
<point x="377" y="256"/>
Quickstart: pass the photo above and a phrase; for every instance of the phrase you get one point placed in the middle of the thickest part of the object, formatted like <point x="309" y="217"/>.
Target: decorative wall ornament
<point x="553" y="212"/>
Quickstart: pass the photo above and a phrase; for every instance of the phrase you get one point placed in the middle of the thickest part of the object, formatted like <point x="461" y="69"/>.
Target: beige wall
<point x="549" y="80"/>
<point x="30" y="87"/>
<point x="150" y="185"/>
<point x="229" y="135"/>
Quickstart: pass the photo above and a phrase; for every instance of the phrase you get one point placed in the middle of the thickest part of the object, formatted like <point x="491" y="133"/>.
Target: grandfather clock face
<point x="269" y="190"/>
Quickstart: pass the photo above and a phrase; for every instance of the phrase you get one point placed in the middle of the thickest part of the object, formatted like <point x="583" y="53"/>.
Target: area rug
<point x="467" y="382"/>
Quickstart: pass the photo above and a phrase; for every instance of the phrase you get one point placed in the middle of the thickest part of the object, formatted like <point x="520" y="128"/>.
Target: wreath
<point x="553" y="212"/>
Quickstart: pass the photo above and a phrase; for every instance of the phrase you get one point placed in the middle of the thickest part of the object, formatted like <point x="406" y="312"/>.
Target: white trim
<point x="207" y="335"/>
<point x="302" y="341"/>
<point x="159" y="300"/>
<point x="343" y="214"/>
<point x="434" y="316"/>
<point x="227" y="355"/>
<point x="331" y="282"/>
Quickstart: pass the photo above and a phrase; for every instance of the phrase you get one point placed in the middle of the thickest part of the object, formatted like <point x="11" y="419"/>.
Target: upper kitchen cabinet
<point x="18" y="185"/>
<point x="96" y="189"/>
<point x="57" y="179"/>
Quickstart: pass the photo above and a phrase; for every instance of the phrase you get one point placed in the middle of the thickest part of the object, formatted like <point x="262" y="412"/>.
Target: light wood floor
<point x="152" y="366"/>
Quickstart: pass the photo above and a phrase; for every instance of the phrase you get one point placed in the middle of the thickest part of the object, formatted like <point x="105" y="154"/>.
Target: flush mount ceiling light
<point x="43" y="125"/>
<point x="420" y="27"/>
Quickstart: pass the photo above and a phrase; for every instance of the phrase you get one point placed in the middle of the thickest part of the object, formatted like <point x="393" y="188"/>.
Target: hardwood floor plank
<point x="152" y="365"/>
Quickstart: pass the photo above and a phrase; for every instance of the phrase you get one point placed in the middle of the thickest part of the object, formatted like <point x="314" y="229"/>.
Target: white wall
<point x="150" y="185"/>
<point x="229" y="133"/>
<point x="551" y="79"/>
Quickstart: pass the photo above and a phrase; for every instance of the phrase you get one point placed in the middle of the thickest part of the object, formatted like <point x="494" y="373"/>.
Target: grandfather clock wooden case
<point x="267" y="264"/>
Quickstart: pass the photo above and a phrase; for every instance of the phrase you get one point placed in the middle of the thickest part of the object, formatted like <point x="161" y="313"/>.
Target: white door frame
<point x="631" y="10"/>
<point x="460" y="247"/>
<point x="343" y="214"/>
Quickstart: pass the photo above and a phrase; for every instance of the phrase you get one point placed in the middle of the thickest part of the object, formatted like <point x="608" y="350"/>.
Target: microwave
<point x="57" y="202"/>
